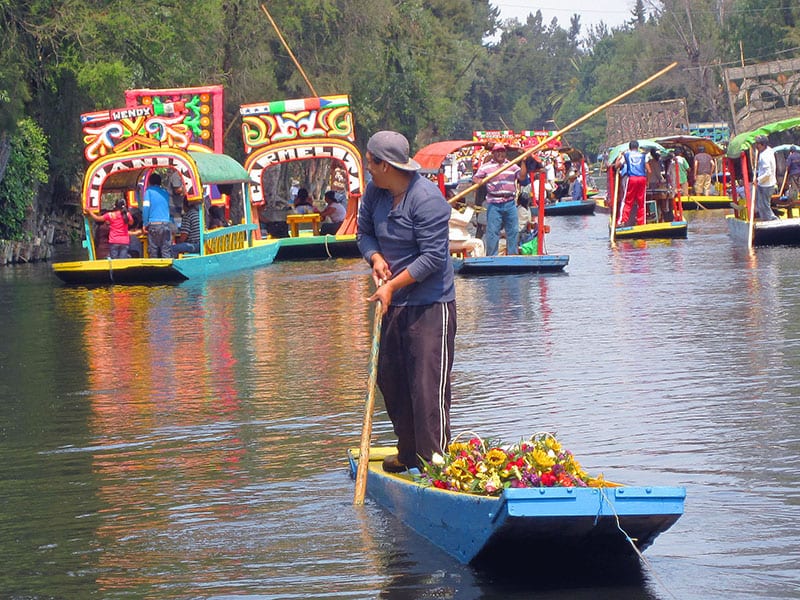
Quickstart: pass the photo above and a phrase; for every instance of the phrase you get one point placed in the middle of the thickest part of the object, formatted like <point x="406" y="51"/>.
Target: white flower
<point x="437" y="459"/>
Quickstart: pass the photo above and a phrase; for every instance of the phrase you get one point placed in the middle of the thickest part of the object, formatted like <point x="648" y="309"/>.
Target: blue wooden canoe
<point x="513" y="263"/>
<point x="567" y="207"/>
<point x="557" y="524"/>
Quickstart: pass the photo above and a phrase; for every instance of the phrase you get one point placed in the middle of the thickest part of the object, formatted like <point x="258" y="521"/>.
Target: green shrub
<point x="26" y="169"/>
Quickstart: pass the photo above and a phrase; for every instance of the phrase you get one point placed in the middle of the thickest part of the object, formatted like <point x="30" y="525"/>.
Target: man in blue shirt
<point x="156" y="219"/>
<point x="638" y="169"/>
<point x="403" y="234"/>
<point x="575" y="187"/>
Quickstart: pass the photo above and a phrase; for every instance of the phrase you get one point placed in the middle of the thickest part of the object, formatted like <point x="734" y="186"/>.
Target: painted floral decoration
<point x="487" y="468"/>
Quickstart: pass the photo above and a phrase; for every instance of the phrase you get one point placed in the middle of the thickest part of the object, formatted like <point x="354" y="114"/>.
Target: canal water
<point x="189" y="441"/>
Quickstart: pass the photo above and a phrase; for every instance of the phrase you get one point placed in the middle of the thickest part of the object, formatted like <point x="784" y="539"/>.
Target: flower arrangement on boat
<point x="487" y="468"/>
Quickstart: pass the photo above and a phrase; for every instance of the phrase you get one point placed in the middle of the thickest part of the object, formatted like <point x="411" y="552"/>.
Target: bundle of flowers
<point x="487" y="468"/>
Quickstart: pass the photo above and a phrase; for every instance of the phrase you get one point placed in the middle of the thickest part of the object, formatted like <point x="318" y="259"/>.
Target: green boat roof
<point x="743" y="141"/>
<point x="644" y="147"/>
<point x="218" y="168"/>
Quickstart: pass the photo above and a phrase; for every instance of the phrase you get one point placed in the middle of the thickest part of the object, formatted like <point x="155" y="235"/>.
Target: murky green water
<point x="189" y="441"/>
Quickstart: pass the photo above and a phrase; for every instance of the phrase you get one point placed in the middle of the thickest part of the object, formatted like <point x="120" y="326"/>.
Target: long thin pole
<point x="289" y="50"/>
<point x="562" y="131"/>
<point x="366" y="429"/>
<point x="751" y="225"/>
<point x="614" y="204"/>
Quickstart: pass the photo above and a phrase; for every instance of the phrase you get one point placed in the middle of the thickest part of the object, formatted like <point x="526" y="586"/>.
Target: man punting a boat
<point x="501" y="195"/>
<point x="403" y="234"/>
<point x="637" y="170"/>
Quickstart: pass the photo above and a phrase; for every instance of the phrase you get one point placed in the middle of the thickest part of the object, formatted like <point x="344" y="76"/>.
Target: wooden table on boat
<point x="294" y="221"/>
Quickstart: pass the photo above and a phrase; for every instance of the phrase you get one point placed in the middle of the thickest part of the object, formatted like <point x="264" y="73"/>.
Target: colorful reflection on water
<point x="189" y="441"/>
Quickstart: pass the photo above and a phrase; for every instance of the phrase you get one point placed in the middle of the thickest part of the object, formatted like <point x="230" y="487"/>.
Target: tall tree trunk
<point x="5" y="153"/>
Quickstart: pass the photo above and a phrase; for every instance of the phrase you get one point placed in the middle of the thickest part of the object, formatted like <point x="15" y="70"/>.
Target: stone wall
<point x="47" y="230"/>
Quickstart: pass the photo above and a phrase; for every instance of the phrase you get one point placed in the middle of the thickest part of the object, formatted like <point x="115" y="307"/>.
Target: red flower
<point x="439" y="484"/>
<point x="565" y="480"/>
<point x="548" y="479"/>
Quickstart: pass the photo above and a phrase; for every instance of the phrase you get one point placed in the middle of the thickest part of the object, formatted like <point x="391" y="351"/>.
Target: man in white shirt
<point x="765" y="179"/>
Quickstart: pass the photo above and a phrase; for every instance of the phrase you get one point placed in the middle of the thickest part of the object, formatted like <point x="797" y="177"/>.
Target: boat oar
<point x="783" y="183"/>
<point x="614" y="204"/>
<point x="751" y="225"/>
<point x="366" y="429"/>
<point x="561" y="132"/>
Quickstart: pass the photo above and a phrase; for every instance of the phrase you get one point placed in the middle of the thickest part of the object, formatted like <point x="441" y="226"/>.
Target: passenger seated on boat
<point x="333" y="214"/>
<point x="575" y="187"/>
<point x="216" y="217"/>
<point x="303" y="204"/>
<point x="188" y="241"/>
<point x="526" y="225"/>
<point x="461" y="242"/>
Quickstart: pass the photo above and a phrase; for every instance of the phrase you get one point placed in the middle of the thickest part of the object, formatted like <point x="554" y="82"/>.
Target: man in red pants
<point x="637" y="170"/>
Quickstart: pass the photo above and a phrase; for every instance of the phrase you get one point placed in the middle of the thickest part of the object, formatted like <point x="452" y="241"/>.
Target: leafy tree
<point x="765" y="29"/>
<point x="27" y="168"/>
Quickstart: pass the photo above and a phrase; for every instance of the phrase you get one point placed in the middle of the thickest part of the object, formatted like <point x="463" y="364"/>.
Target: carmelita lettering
<point x="138" y="111"/>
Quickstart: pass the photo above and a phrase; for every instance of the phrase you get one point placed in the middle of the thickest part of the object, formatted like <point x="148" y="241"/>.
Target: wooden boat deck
<point x="120" y="270"/>
<point x="665" y="230"/>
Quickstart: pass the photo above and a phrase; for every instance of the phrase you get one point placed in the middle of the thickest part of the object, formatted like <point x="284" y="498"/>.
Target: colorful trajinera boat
<point x="450" y="164"/>
<point x="169" y="132"/>
<point x="663" y="209"/>
<point x="743" y="227"/>
<point x="310" y="141"/>
<point x="689" y="146"/>
<point x="549" y="525"/>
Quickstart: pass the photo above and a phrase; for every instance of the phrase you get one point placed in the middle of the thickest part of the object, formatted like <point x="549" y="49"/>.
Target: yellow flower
<point x="542" y="459"/>
<point x="457" y="447"/>
<point x="458" y="471"/>
<point x="496" y="457"/>
<point x="552" y="443"/>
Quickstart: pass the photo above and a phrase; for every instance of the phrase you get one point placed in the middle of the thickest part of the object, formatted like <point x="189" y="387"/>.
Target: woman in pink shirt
<point x="118" y="221"/>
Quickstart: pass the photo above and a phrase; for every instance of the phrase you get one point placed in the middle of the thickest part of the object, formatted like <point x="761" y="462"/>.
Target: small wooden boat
<point x="781" y="232"/>
<point x="467" y="251"/>
<point x="659" y="222"/>
<point x="512" y="263"/>
<point x="665" y="230"/>
<point x="547" y="526"/>
<point x="316" y="138"/>
<point x="743" y="227"/>
<point x="123" y="147"/>
<point x="561" y="208"/>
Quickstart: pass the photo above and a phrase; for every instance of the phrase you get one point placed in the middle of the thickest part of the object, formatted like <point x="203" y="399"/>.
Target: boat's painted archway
<point x="296" y="150"/>
<point x="137" y="162"/>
